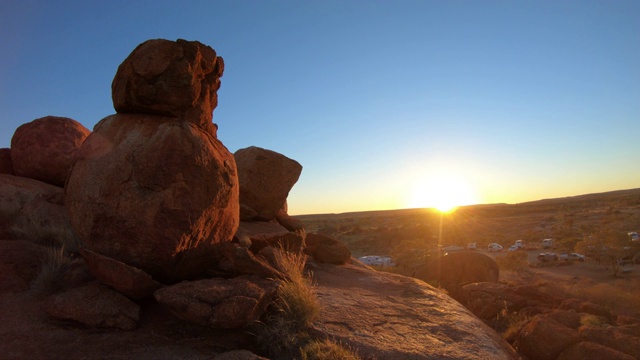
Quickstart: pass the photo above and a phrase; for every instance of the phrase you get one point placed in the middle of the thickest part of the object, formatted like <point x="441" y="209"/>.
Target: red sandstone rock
<point x="44" y="149"/>
<point x="153" y="192"/>
<point x="6" y="166"/>
<point x="591" y="351"/>
<point x="326" y="249"/>
<point x="266" y="177"/>
<point x="613" y="338"/>
<point x="387" y="316"/>
<point x="16" y="192"/>
<point x="219" y="303"/>
<point x="128" y="280"/>
<point x="95" y="305"/>
<point x="545" y="339"/>
<point x="289" y="222"/>
<point x="20" y="263"/>
<point x="169" y="78"/>
<point x="459" y="268"/>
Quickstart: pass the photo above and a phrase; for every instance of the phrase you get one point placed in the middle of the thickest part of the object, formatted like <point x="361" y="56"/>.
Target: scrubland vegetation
<point x="284" y="334"/>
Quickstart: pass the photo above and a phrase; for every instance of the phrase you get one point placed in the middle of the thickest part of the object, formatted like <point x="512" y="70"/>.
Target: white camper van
<point x="547" y="243"/>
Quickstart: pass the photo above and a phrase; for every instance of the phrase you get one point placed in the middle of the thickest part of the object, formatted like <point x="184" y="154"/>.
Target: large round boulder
<point x="153" y="192"/>
<point x="266" y="177"/>
<point x="169" y="78"/>
<point x="44" y="148"/>
<point x="456" y="269"/>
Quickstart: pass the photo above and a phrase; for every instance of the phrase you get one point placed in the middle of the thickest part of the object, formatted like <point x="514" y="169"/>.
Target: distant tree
<point x="608" y="247"/>
<point x="516" y="261"/>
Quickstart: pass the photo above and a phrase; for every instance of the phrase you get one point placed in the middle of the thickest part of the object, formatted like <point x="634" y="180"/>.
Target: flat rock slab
<point x="387" y="316"/>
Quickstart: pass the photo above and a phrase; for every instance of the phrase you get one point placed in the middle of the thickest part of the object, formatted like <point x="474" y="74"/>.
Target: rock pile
<point x="164" y="220"/>
<point x="555" y="328"/>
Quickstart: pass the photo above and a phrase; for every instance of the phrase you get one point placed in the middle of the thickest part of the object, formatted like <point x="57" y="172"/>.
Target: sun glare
<point x="444" y="192"/>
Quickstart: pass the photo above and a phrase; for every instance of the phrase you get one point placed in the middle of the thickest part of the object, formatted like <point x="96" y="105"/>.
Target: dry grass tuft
<point x="51" y="278"/>
<point x="326" y="350"/>
<point x="46" y="232"/>
<point x="294" y="310"/>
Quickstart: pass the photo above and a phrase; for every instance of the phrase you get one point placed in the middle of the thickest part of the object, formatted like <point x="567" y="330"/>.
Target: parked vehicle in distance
<point x="494" y="247"/>
<point x="383" y="261"/>
<point x="547" y="243"/>
<point x="544" y="257"/>
<point x="519" y="244"/>
<point x="472" y="246"/>
<point x="576" y="257"/>
<point x="513" y="248"/>
<point x="633" y="236"/>
<point x="563" y="257"/>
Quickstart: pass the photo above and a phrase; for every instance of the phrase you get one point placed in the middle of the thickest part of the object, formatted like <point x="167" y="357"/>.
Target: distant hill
<point x="574" y="217"/>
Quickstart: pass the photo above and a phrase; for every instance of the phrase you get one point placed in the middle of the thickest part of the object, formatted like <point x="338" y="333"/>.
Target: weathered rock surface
<point x="266" y="177"/>
<point x="153" y="192"/>
<point x="95" y="305"/>
<point x="387" y="316"/>
<point x="486" y="300"/>
<point x="613" y="338"/>
<point x="289" y="222"/>
<point x="128" y="280"/>
<point x="326" y="249"/>
<point x="16" y="192"/>
<point x="232" y="259"/>
<point x="459" y="268"/>
<point x="260" y="231"/>
<point x="44" y="149"/>
<point x="591" y="351"/>
<point x="169" y="78"/>
<point x="544" y="339"/>
<point x="219" y="303"/>
<point x="6" y="165"/>
<point x="20" y="262"/>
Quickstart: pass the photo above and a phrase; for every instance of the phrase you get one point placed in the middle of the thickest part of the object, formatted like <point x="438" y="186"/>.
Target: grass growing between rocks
<point x="284" y="333"/>
<point x="47" y="233"/>
<point x="51" y="278"/>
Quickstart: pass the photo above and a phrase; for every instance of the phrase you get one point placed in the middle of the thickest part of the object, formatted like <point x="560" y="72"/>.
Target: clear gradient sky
<point x="386" y="104"/>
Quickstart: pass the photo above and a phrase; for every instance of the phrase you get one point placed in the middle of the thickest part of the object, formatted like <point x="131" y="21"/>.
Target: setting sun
<point x="443" y="192"/>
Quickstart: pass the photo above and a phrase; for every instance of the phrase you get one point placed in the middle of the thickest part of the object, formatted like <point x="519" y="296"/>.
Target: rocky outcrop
<point x="392" y="317"/>
<point x="20" y="263"/>
<point x="586" y="350"/>
<point x="456" y="269"/>
<point x="6" y="166"/>
<point x="486" y="300"/>
<point x="27" y="201"/>
<point x="326" y="249"/>
<point x="44" y="149"/>
<point x="289" y="222"/>
<point x="219" y="303"/>
<point x="95" y="305"/>
<point x="128" y="280"/>
<point x="152" y="186"/>
<point x="545" y="339"/>
<point x="266" y="177"/>
<point x="169" y="78"/>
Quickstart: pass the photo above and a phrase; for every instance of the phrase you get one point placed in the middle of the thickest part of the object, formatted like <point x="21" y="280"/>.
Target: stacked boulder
<point x="152" y="186"/>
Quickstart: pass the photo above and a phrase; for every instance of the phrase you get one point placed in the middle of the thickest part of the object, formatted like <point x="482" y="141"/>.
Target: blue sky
<point x="386" y="104"/>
